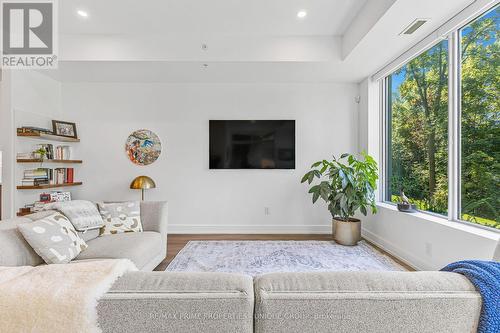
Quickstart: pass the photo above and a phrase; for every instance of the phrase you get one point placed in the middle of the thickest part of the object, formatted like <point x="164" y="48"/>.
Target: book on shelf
<point x="64" y="175"/>
<point x="34" y="182"/>
<point x="45" y="176"/>
<point x="63" y="153"/>
<point x="24" y="156"/>
<point x="45" y="199"/>
<point x="38" y="173"/>
<point x="60" y="196"/>
<point x="51" y="153"/>
<point x="33" y="130"/>
<point x="38" y="206"/>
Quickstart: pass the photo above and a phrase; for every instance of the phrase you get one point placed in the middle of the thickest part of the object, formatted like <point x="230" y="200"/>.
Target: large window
<point x="480" y="118"/>
<point x="418" y="117"/>
<point x="418" y="131"/>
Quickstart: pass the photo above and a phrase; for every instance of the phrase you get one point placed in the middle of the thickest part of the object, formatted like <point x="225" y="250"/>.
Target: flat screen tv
<point x="252" y="144"/>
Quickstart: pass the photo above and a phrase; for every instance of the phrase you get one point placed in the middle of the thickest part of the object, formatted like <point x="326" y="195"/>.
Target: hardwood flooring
<point x="176" y="242"/>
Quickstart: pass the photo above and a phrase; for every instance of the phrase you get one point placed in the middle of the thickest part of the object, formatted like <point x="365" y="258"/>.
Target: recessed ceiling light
<point x="302" y="14"/>
<point x="82" y="13"/>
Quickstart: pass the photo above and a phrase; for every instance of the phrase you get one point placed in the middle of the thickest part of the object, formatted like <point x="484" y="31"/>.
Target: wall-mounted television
<point x="252" y="144"/>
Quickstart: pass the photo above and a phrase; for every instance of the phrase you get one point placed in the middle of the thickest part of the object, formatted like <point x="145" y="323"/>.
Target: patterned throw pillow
<point x="120" y="217"/>
<point x="53" y="238"/>
<point x="83" y="214"/>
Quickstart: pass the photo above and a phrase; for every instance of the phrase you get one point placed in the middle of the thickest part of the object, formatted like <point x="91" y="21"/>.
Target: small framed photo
<point x="64" y="128"/>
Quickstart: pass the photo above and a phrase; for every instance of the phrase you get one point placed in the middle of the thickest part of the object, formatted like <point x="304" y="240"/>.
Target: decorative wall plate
<point x="143" y="147"/>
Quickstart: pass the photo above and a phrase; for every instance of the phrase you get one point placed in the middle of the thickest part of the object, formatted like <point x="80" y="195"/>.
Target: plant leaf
<point x="315" y="197"/>
<point x="315" y="164"/>
<point x="314" y="189"/>
<point x="310" y="177"/>
<point x="305" y="177"/>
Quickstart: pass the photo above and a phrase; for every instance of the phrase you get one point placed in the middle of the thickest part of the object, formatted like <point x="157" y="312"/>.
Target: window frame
<point x="453" y="37"/>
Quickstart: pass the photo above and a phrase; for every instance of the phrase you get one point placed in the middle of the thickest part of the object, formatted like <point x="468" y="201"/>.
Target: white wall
<point x="424" y="241"/>
<point x="35" y="101"/>
<point x="6" y="144"/>
<point x="203" y="200"/>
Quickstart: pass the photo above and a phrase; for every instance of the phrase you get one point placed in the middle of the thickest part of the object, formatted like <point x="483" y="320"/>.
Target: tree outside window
<point x="417" y="125"/>
<point x="418" y="131"/>
<point x="480" y="119"/>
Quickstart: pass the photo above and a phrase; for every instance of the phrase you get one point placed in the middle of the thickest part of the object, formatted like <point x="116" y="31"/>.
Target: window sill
<point x="490" y="234"/>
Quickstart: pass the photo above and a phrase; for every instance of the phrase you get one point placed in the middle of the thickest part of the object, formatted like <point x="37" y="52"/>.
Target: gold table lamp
<point x="142" y="183"/>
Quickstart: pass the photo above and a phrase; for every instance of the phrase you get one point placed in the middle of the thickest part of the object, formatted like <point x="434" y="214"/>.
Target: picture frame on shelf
<point x="64" y="128"/>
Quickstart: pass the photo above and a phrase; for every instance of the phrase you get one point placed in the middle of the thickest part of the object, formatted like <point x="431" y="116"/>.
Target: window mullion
<point x="384" y="158"/>
<point x="454" y="126"/>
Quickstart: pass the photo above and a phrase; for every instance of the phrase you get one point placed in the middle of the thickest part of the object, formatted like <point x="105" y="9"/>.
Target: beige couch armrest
<point x="154" y="216"/>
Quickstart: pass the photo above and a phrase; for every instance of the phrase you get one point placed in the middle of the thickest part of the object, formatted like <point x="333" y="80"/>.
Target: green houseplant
<point x="347" y="185"/>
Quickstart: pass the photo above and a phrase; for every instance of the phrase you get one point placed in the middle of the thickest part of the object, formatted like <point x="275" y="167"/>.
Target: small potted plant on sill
<point x="346" y="188"/>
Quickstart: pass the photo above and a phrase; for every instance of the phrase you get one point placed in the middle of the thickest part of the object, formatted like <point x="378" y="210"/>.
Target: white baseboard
<point x="395" y="251"/>
<point x="249" y="229"/>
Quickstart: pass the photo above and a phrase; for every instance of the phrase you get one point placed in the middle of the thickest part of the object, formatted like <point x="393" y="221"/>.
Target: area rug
<point x="260" y="257"/>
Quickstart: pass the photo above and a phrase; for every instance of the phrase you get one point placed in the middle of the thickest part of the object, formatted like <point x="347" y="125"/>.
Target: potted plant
<point x="40" y="154"/>
<point x="346" y="188"/>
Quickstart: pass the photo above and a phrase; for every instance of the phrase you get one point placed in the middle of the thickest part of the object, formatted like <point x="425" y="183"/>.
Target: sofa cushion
<point x="178" y="302"/>
<point x="139" y="247"/>
<point x="89" y="234"/>
<point x="411" y="302"/>
<point x="83" y="214"/>
<point x="14" y="250"/>
<point x="86" y="234"/>
<point x="53" y="238"/>
<point x="120" y="217"/>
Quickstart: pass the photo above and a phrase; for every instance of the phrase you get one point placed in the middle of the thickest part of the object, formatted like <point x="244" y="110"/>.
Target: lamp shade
<point x="142" y="183"/>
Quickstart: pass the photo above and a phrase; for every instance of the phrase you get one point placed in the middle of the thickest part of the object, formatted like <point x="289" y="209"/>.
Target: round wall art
<point x="143" y="147"/>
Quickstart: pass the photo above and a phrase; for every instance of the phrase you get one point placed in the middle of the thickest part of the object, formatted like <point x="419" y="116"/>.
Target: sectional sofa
<point x="146" y="301"/>
<point x="145" y="249"/>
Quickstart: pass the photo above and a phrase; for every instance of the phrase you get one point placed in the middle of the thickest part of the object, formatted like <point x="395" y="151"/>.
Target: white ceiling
<point x="183" y="72"/>
<point x="248" y="40"/>
<point x="208" y="17"/>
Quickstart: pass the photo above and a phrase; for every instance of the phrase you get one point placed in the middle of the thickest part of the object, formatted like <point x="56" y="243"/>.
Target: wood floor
<point x="176" y="242"/>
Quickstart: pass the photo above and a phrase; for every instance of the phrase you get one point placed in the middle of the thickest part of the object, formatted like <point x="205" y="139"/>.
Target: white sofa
<point x="145" y="249"/>
<point x="412" y="302"/>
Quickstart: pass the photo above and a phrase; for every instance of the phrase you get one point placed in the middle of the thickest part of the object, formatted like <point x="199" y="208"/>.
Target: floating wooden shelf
<point x="45" y="136"/>
<point x="37" y="160"/>
<point x="23" y="214"/>
<point x="39" y="187"/>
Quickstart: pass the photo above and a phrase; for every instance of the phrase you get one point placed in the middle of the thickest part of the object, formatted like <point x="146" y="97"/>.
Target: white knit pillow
<point x="120" y="217"/>
<point x="83" y="214"/>
<point x="53" y="238"/>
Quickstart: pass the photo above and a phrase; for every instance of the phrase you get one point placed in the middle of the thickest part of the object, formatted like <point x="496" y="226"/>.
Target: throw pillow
<point x="83" y="214"/>
<point x="120" y="217"/>
<point x="53" y="238"/>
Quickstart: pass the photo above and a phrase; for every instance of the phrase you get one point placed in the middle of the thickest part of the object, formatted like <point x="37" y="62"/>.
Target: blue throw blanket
<point x="485" y="276"/>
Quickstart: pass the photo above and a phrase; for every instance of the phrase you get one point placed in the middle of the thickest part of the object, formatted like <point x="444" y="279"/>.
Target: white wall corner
<point x="7" y="144"/>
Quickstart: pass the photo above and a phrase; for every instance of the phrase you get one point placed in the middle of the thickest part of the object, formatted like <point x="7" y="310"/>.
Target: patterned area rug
<point x="260" y="257"/>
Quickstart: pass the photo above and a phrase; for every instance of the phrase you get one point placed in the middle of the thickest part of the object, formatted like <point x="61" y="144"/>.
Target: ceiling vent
<point x="414" y="26"/>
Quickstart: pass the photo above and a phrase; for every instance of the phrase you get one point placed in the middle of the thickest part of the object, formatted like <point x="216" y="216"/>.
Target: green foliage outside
<point x="419" y="125"/>
<point x="345" y="187"/>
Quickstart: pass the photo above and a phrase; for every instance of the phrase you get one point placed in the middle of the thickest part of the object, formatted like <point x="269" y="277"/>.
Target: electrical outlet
<point x="267" y="211"/>
<point x="428" y="249"/>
